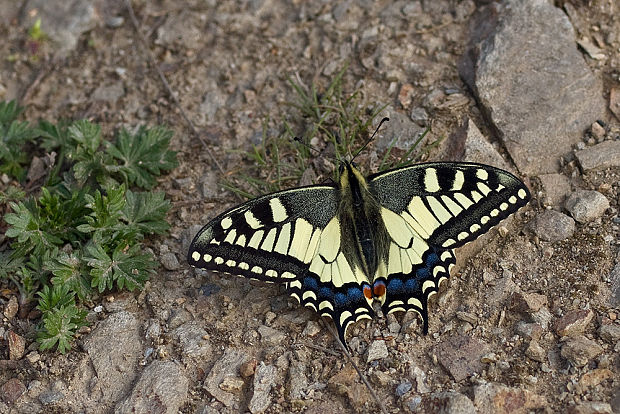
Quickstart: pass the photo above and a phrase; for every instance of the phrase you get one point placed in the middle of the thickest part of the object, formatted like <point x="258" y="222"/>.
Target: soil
<point x="228" y="65"/>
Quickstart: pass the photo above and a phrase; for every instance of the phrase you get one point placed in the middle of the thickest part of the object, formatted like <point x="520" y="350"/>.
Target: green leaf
<point x="61" y="317"/>
<point x="145" y="213"/>
<point x="128" y="267"/>
<point x="70" y="271"/>
<point x="10" y="263"/>
<point x="13" y="135"/>
<point x="26" y="226"/>
<point x="143" y="155"/>
<point x="105" y="210"/>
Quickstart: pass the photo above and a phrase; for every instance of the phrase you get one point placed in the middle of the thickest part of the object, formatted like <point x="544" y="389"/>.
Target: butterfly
<point x="389" y="237"/>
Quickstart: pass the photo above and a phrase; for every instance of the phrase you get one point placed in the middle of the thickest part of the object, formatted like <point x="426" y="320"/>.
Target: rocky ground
<point x="529" y="320"/>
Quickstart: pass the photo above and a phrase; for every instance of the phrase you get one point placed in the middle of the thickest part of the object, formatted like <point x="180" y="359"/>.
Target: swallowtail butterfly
<point x="389" y="237"/>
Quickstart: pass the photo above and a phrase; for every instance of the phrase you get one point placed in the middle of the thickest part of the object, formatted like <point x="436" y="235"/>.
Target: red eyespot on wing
<point x="378" y="289"/>
<point x="367" y="292"/>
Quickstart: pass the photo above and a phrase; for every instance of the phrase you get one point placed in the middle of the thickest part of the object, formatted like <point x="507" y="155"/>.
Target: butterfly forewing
<point x="450" y="204"/>
<point x="269" y="238"/>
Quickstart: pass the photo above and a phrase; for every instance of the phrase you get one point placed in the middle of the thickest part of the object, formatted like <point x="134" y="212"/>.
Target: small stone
<point x="169" y="261"/>
<point x="594" y="378"/>
<point x="226" y="366"/>
<point x="270" y="335"/>
<point x="579" y="350"/>
<point x="543" y="317"/>
<point x="405" y="95"/>
<point x="248" y="368"/>
<point x="467" y="317"/>
<point x="380" y="378"/>
<point x="403" y="388"/>
<point x="529" y="330"/>
<point x="553" y="226"/>
<point x="598" y="131"/>
<point x="610" y="332"/>
<point x="586" y="205"/>
<point x="270" y="317"/>
<point x="528" y="302"/>
<point x="591" y="407"/>
<point x="451" y="402"/>
<point x="573" y="322"/>
<point x="419" y="116"/>
<point x="298" y="381"/>
<point x="17" y="346"/>
<point x="312" y="328"/>
<point x="11" y="390"/>
<point x="232" y="384"/>
<point x="500" y="399"/>
<point x="11" y="308"/>
<point x="600" y="156"/>
<point x="460" y="355"/>
<point x="377" y="350"/>
<point x="264" y="380"/>
<point x="420" y="380"/>
<point x="556" y="188"/>
<point x="592" y="50"/>
<point x="536" y="352"/>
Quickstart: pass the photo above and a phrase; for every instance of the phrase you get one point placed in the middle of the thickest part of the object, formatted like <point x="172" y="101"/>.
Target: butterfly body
<point x="338" y="248"/>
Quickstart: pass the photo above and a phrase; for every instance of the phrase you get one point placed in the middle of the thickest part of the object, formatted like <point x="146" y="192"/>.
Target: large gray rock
<point x="532" y="83"/>
<point x="63" y="21"/>
<point x="162" y="388"/>
<point x="115" y="350"/>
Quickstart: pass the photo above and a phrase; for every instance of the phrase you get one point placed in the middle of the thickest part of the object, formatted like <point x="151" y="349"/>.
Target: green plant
<point x="82" y="232"/>
<point x="332" y="115"/>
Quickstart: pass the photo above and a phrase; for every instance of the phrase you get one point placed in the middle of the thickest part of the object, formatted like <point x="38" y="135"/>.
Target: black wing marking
<point x="450" y="204"/>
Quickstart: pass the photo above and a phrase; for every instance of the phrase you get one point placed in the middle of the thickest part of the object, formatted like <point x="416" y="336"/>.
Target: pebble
<point x="536" y="352"/>
<point x="529" y="330"/>
<point x="591" y="407"/>
<point x="553" y="226"/>
<point x="467" y="317"/>
<point x="598" y="131"/>
<point x="600" y="156"/>
<point x="11" y="390"/>
<point x="419" y="116"/>
<point x="377" y="350"/>
<point x="226" y="366"/>
<point x="312" y="328"/>
<point x="451" y="402"/>
<point x="460" y="355"/>
<point x="17" y="346"/>
<point x="586" y="205"/>
<point x="162" y="387"/>
<point x="580" y="350"/>
<point x="169" y="261"/>
<point x="270" y="335"/>
<point x="593" y="378"/>
<point x="298" y="382"/>
<point x="499" y="399"/>
<point x="528" y="302"/>
<point x="543" y="317"/>
<point x="573" y="322"/>
<point x="403" y="388"/>
<point x="11" y="308"/>
<point x="610" y="332"/>
<point x="420" y="380"/>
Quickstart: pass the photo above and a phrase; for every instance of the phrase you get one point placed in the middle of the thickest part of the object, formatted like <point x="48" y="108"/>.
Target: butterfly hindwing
<point x="430" y="209"/>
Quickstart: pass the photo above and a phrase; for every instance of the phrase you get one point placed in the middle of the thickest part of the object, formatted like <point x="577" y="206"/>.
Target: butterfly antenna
<point x="312" y="149"/>
<point x="385" y="119"/>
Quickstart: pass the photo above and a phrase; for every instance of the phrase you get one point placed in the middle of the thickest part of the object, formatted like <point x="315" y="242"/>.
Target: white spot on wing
<point x="329" y="244"/>
<point x="431" y="183"/>
<point x="459" y="179"/>
<point x="283" y="239"/>
<point x="226" y="222"/>
<point x="195" y="256"/>
<point x="277" y="210"/>
<point x="251" y="220"/>
<point x="482" y="174"/>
